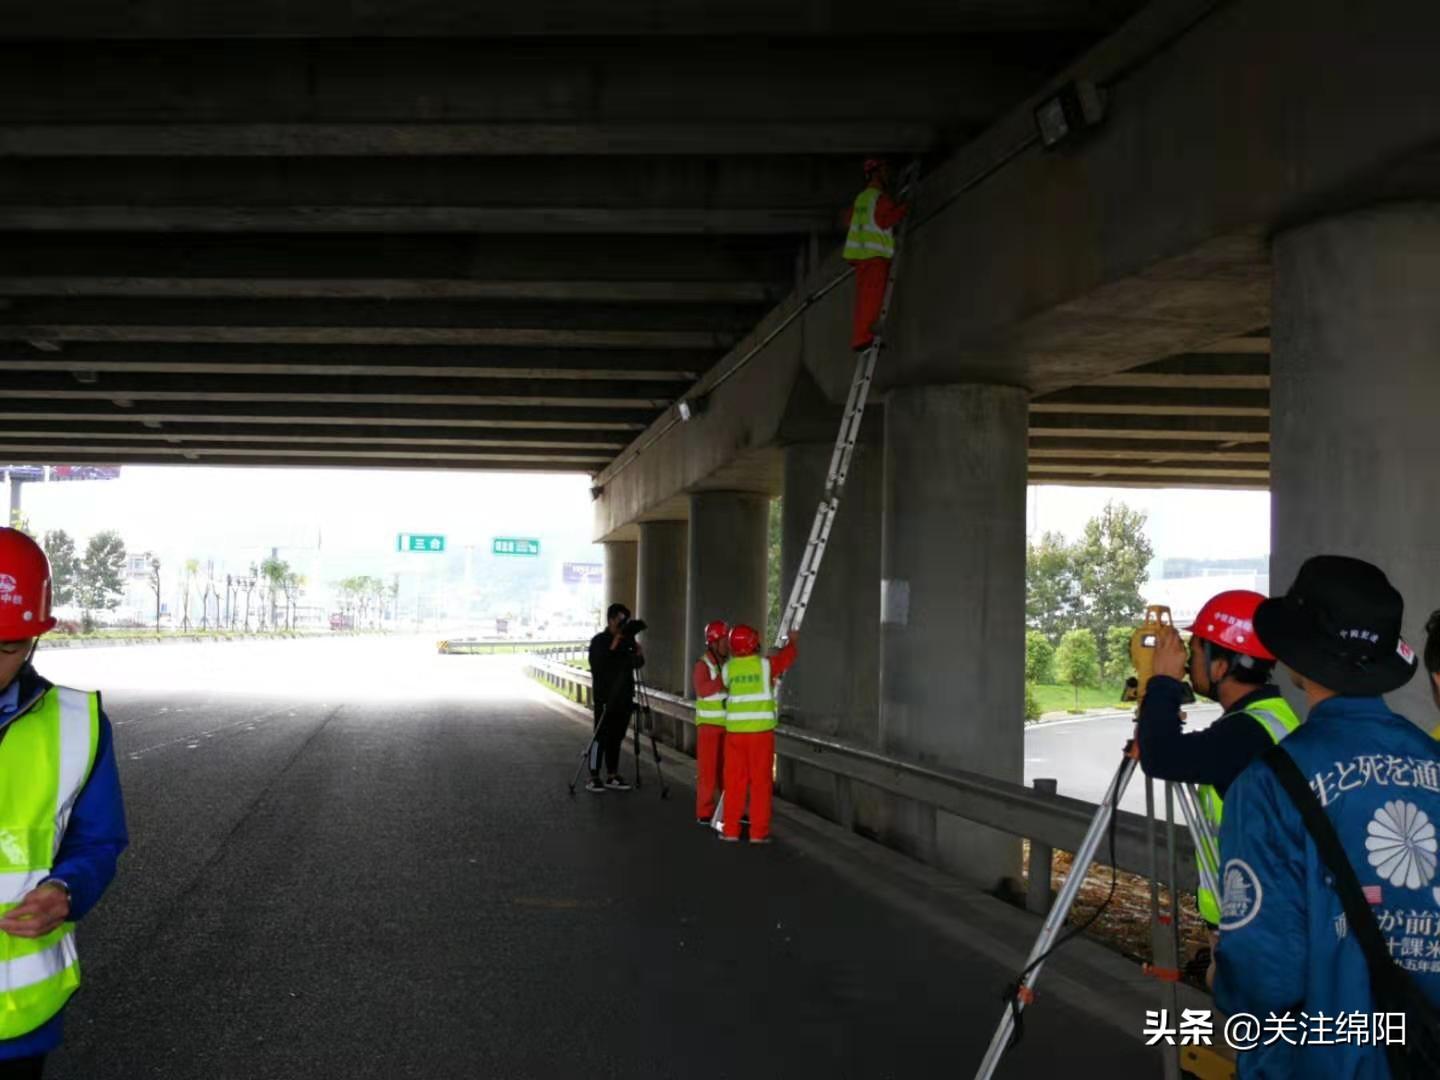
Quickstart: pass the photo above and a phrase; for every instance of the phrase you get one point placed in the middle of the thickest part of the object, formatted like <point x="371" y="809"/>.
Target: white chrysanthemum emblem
<point x="1402" y="844"/>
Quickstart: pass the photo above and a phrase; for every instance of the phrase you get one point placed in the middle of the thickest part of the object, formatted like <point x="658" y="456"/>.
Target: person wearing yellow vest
<point x="750" y="721"/>
<point x="62" y="821"/>
<point x="869" y="247"/>
<point x="710" y="720"/>
<point x="1226" y="663"/>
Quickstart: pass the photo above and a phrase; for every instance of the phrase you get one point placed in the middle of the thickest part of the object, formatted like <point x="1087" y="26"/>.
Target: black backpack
<point x="1391" y="985"/>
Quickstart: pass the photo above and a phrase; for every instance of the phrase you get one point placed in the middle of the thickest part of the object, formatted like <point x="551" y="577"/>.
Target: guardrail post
<point x="1042" y="856"/>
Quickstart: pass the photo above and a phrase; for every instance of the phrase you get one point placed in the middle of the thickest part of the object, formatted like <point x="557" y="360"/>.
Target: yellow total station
<point x="1142" y="646"/>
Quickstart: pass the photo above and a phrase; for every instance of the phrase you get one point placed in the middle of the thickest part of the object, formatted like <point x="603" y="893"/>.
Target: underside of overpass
<point x="316" y="235"/>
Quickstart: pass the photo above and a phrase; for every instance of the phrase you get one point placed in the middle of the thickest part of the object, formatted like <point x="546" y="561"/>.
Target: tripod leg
<point x="589" y="748"/>
<point x="659" y="773"/>
<point x="1055" y="920"/>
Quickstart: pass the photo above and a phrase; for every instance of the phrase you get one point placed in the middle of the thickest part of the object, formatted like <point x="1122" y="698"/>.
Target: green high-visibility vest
<point x="45" y="758"/>
<point x="710" y="709"/>
<point x="750" y="705"/>
<point x="866" y="239"/>
<point x="1278" y="720"/>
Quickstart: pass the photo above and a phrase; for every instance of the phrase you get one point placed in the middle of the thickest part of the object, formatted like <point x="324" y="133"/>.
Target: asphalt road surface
<point x="356" y="858"/>
<point x="1082" y="754"/>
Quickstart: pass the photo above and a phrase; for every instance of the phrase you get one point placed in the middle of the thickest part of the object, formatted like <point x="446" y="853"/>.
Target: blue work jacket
<point x="1284" y="939"/>
<point x="94" y="838"/>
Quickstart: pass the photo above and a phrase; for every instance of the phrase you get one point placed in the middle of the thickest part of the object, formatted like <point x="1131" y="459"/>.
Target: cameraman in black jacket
<point x="614" y="655"/>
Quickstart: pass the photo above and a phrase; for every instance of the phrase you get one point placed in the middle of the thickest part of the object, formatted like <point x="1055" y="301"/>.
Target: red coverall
<point x="871" y="274"/>
<point x="709" y="744"/>
<point x="750" y="765"/>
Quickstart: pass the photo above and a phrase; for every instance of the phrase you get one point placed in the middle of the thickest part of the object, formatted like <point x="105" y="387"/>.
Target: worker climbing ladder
<point x="845" y="440"/>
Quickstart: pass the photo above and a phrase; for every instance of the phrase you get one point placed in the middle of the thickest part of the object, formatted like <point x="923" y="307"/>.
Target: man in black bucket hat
<point x="1287" y="940"/>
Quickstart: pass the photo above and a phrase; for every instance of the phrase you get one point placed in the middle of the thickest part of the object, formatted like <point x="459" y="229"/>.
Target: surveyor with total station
<point x="710" y="720"/>
<point x="61" y="818"/>
<point x="869" y="247"/>
<point x="750" y="720"/>
<point x="1228" y="664"/>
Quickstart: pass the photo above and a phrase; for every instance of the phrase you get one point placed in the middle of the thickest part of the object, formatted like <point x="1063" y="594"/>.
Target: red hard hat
<point x="715" y="631"/>
<point x="744" y="641"/>
<point x="1228" y="620"/>
<point x="24" y="587"/>
<point x="873" y="165"/>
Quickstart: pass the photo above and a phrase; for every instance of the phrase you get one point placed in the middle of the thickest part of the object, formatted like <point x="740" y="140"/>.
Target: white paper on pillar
<point x="894" y="601"/>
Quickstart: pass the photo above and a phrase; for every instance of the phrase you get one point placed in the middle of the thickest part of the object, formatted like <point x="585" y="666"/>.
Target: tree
<point x="191" y="571"/>
<point x="1051" y="586"/>
<point x="100" y="582"/>
<point x="273" y="571"/>
<point x="294" y="586"/>
<point x="1077" y="661"/>
<point x="1039" y="658"/>
<point x="1117" y="653"/>
<point x="153" y="577"/>
<point x="248" y="583"/>
<point x="1110" y="561"/>
<point x="64" y="566"/>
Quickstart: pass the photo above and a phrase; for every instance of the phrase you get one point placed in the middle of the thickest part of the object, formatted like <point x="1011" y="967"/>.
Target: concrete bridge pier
<point x="1355" y="405"/>
<point x="660" y="601"/>
<point x="620" y="570"/>
<point x="727" y="570"/>
<point x="952" y="606"/>
<point x="834" y="688"/>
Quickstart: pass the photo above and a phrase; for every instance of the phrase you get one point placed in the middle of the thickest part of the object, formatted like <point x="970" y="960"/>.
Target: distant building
<point x="1185" y="595"/>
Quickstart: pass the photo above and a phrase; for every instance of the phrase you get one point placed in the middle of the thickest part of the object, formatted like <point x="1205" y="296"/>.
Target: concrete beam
<point x="339" y="390"/>
<point x="350" y="140"/>
<point x="1142" y="401"/>
<point x="370" y="335"/>
<point x="1123" y="426"/>
<point x="563" y="460"/>
<point x="179" y="433"/>
<point x="602" y="365"/>
<point x="431" y="261"/>
<point x="161" y="19"/>
<point x="496" y="220"/>
<point x="360" y="288"/>
<point x="82" y="456"/>
<point x="504" y="97"/>
<point x="313" y="412"/>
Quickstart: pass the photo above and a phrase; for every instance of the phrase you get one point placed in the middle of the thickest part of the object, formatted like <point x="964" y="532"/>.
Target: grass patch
<point x="1053" y="697"/>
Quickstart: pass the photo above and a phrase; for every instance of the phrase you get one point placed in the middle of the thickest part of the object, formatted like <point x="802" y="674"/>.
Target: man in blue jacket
<point x="62" y="822"/>
<point x="1285" y="945"/>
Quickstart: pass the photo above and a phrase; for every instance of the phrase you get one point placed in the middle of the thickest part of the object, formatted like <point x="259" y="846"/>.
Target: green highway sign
<point x="419" y="542"/>
<point x="515" y="545"/>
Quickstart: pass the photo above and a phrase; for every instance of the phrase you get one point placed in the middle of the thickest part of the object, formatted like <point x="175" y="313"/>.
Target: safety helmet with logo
<point x="24" y="587"/>
<point x="744" y="641"/>
<point x="1228" y="620"/>
<point x="716" y="630"/>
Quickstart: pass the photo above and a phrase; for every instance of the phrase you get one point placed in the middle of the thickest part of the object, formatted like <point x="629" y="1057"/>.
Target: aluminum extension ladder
<point x="845" y="441"/>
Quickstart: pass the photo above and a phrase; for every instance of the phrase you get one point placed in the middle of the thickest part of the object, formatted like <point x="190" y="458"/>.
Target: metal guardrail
<point x="1055" y="821"/>
<point x="487" y="646"/>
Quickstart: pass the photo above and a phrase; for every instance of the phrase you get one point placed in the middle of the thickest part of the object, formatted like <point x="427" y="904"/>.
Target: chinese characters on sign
<point x="426" y="542"/>
<point x="1243" y="1031"/>
<point x="515" y="545"/>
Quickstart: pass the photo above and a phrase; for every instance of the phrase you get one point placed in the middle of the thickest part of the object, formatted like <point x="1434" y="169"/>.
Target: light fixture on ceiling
<point x="689" y="408"/>
<point x="1073" y="108"/>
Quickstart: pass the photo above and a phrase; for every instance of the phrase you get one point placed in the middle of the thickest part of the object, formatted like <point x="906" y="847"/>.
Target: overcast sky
<point x="200" y="511"/>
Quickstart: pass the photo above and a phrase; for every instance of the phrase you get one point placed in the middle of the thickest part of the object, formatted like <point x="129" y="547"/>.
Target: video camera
<point x="630" y="627"/>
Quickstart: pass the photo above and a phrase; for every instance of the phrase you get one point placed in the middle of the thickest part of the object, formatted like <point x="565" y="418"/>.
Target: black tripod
<point x="643" y="713"/>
